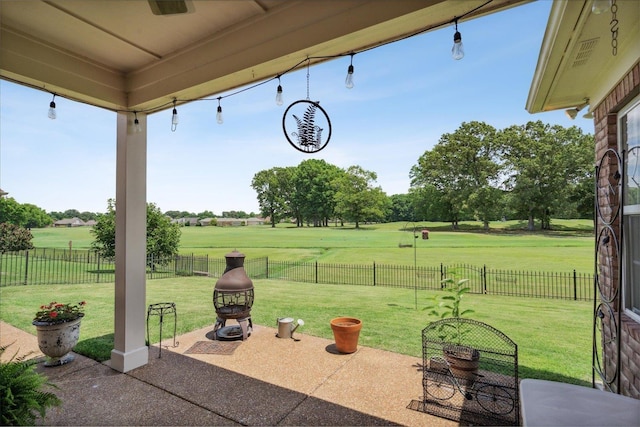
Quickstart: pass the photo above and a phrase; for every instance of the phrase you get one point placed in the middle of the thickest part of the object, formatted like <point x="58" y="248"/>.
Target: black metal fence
<point x="59" y="266"/>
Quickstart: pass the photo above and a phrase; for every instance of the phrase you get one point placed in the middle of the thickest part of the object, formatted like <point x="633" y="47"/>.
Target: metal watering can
<point x="286" y="327"/>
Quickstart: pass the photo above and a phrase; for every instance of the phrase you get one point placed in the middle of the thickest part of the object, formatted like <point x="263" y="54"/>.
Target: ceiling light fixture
<point x="572" y="113"/>
<point x="174" y="117"/>
<point x="348" y="82"/>
<point x="457" y="51"/>
<point x="52" y="108"/>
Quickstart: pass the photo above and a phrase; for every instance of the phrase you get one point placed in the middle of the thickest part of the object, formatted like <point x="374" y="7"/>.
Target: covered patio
<point x="256" y="382"/>
<point x="140" y="58"/>
<point x="124" y="59"/>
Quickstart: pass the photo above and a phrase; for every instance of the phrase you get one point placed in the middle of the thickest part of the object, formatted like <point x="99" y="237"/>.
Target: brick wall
<point x="605" y="121"/>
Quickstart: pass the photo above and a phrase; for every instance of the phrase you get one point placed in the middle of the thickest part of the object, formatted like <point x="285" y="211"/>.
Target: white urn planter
<point x="56" y="340"/>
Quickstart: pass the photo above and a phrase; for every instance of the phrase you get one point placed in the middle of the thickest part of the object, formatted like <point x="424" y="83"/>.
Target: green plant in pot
<point x="463" y="359"/>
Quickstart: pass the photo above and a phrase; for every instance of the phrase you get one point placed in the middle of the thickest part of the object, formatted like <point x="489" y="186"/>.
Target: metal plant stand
<point x="472" y="377"/>
<point x="161" y="309"/>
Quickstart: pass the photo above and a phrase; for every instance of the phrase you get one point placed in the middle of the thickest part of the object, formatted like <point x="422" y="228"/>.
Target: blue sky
<point x="406" y="95"/>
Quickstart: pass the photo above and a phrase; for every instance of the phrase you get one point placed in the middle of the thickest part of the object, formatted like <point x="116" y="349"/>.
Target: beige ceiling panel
<point x="57" y="71"/>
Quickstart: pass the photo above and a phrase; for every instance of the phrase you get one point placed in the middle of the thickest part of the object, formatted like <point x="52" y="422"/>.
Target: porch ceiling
<point x="121" y="56"/>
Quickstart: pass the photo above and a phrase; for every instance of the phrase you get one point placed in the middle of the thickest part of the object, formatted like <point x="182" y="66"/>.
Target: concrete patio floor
<point x="264" y="380"/>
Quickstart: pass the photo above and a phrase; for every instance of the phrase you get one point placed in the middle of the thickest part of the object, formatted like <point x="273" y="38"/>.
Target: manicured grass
<point x="507" y="246"/>
<point x="553" y="336"/>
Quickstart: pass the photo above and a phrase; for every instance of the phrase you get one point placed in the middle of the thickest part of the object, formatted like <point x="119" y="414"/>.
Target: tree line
<point x="530" y="172"/>
<point x="316" y="192"/>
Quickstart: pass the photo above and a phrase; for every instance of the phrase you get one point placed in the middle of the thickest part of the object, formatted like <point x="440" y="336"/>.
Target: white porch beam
<point x="130" y="349"/>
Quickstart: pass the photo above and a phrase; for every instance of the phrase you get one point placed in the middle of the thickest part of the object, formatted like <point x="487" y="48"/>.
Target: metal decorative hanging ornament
<point x="306" y="124"/>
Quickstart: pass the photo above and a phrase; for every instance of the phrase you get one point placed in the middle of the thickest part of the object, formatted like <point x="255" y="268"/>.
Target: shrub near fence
<point x="51" y="266"/>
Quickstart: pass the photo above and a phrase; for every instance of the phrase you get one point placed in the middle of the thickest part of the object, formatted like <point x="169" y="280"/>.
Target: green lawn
<point x="553" y="336"/>
<point x="569" y="246"/>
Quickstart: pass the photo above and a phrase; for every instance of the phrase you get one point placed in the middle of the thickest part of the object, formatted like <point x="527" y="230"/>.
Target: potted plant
<point x="21" y="396"/>
<point x="58" y="327"/>
<point x="346" y="331"/>
<point x="463" y="359"/>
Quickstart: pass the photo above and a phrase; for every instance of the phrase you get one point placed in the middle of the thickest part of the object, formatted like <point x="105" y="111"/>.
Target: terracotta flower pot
<point x="57" y="340"/>
<point x="346" y="331"/>
<point x="463" y="361"/>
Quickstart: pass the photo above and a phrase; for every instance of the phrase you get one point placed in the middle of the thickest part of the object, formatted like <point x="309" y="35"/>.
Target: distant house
<point x="189" y="222"/>
<point x="90" y="223"/>
<point x="230" y="222"/>
<point x="206" y="222"/>
<point x="255" y="221"/>
<point x="69" y="222"/>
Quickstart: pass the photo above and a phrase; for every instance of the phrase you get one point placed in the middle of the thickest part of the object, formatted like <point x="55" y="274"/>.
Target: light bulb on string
<point x="348" y="81"/>
<point x="457" y="51"/>
<point x="279" y="100"/>
<point x="219" y="117"/>
<point x="136" y="123"/>
<point x="174" y="117"/>
<point x="52" y="108"/>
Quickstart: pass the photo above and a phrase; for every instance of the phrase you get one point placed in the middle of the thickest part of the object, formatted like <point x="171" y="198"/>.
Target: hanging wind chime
<point x="306" y="124"/>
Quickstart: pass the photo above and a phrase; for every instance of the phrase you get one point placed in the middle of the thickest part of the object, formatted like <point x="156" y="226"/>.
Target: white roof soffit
<point x="121" y="56"/>
<point x="576" y="60"/>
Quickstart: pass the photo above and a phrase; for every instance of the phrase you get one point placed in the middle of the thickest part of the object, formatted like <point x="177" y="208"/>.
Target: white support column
<point x="130" y="350"/>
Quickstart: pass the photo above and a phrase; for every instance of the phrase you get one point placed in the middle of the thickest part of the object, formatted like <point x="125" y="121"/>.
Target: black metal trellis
<point x="607" y="304"/>
<point x="470" y="373"/>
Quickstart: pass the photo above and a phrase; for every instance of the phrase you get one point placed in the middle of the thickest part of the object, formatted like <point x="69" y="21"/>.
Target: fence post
<point x="484" y="279"/>
<point x="316" y="271"/>
<point x="441" y="276"/>
<point x="575" y="286"/>
<point x="26" y="267"/>
<point x="374" y="273"/>
<point x="98" y="264"/>
<point x="267" y="268"/>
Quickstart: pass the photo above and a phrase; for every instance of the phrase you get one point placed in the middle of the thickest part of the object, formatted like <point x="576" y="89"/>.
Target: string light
<point x="219" y="117"/>
<point x="136" y="124"/>
<point x="279" y="100"/>
<point x="174" y="117"/>
<point x="457" y="51"/>
<point x="348" y="81"/>
<point x="52" y="108"/>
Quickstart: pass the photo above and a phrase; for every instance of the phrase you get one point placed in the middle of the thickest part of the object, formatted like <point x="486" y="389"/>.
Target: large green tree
<point x="24" y="215"/>
<point x="274" y="190"/>
<point x="357" y="199"/>
<point x="547" y="167"/>
<point x="163" y="237"/>
<point x="401" y="208"/>
<point x="314" y="191"/>
<point x="464" y="167"/>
